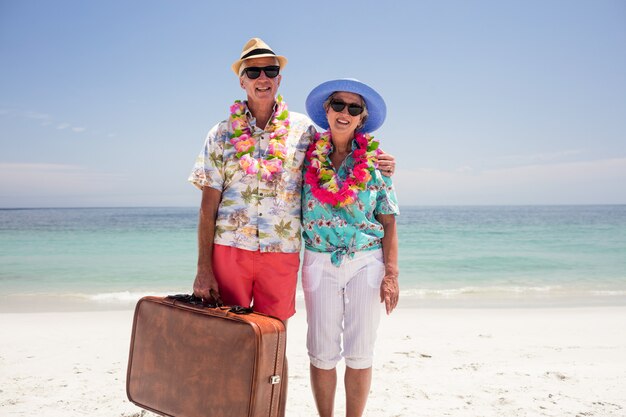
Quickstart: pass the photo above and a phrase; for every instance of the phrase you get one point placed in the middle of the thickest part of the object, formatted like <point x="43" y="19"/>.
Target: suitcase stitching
<point x="275" y="391"/>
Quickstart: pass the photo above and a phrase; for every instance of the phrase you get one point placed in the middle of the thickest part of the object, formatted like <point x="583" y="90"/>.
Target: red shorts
<point x="264" y="280"/>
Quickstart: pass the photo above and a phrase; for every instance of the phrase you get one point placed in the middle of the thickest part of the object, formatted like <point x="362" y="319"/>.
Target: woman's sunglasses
<point x="255" y="72"/>
<point x="353" y="109"/>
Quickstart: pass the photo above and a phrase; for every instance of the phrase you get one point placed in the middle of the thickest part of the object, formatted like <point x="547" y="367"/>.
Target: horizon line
<point x="401" y="205"/>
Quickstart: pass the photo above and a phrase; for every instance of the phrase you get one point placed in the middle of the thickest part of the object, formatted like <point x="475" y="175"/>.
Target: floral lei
<point x="324" y="181"/>
<point x="244" y="142"/>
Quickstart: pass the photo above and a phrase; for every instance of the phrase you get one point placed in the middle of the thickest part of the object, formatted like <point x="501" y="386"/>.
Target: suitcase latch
<point x="274" y="379"/>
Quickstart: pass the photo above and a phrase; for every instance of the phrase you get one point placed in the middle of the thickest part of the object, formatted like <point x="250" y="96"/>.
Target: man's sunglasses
<point x="353" y="109"/>
<point x="255" y="72"/>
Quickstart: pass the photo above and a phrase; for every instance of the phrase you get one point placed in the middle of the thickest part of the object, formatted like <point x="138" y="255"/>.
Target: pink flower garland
<point x="324" y="181"/>
<point x="244" y="142"/>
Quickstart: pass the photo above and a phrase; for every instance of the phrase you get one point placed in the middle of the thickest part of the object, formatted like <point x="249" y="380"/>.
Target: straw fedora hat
<point x="256" y="48"/>
<point x="376" y="107"/>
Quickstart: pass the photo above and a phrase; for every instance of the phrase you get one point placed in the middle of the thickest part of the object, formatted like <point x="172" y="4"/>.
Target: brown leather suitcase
<point x="189" y="360"/>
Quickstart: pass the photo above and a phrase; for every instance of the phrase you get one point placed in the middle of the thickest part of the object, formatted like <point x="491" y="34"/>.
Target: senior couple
<point x="269" y="179"/>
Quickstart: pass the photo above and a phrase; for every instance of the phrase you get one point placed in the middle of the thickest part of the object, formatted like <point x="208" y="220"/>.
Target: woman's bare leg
<point x="324" y="385"/>
<point x="357" y="382"/>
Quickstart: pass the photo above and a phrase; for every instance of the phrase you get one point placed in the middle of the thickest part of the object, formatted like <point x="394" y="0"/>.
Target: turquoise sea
<point x="449" y="256"/>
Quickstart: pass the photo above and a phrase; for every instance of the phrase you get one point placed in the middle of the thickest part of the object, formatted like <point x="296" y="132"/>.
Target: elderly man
<point x="250" y="175"/>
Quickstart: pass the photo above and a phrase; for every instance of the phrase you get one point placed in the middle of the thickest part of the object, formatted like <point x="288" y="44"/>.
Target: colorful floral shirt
<point x="255" y="214"/>
<point x="344" y="231"/>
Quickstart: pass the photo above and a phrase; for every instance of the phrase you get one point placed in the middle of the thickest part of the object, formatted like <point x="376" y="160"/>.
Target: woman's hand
<point x="390" y="291"/>
<point x="389" y="288"/>
<point x="386" y="164"/>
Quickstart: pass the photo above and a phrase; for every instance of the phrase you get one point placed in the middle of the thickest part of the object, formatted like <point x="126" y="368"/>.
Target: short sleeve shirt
<point x="255" y="214"/>
<point x="349" y="229"/>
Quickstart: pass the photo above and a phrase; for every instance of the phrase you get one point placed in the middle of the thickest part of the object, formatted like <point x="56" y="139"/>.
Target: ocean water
<point x="468" y="256"/>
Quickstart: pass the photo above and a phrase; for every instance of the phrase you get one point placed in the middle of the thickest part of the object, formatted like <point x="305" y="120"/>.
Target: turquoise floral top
<point x="344" y="231"/>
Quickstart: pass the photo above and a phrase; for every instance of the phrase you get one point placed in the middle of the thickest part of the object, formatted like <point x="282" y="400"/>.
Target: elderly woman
<point x="351" y="257"/>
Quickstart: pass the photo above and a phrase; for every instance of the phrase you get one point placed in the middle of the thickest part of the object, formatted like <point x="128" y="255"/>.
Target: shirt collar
<point x="251" y="118"/>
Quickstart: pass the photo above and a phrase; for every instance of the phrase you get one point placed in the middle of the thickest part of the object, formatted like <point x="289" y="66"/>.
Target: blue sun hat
<point x="376" y="107"/>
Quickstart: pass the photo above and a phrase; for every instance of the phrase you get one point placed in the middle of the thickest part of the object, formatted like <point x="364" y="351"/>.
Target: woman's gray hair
<point x="363" y="115"/>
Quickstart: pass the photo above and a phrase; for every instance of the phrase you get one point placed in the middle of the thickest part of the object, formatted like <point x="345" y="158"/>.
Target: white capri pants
<point x="342" y="300"/>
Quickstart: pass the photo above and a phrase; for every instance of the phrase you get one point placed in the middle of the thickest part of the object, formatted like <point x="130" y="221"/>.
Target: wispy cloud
<point x="31" y="184"/>
<point x="48" y="120"/>
<point x="43" y="118"/>
<point x="52" y="182"/>
<point x="584" y="182"/>
<point x="26" y="167"/>
<point x="520" y="160"/>
<point x="538" y="158"/>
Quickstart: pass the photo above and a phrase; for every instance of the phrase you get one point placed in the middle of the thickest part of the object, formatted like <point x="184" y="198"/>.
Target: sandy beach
<point x="429" y="362"/>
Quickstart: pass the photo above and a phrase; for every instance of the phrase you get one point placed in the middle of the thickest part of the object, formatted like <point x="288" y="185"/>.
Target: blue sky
<point x="489" y="102"/>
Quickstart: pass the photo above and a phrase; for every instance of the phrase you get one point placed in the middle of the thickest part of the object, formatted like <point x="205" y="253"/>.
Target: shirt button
<point x="260" y="214"/>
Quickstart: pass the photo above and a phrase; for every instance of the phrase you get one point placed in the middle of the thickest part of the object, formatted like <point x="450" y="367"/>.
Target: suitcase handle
<point x="197" y="301"/>
<point x="240" y="310"/>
